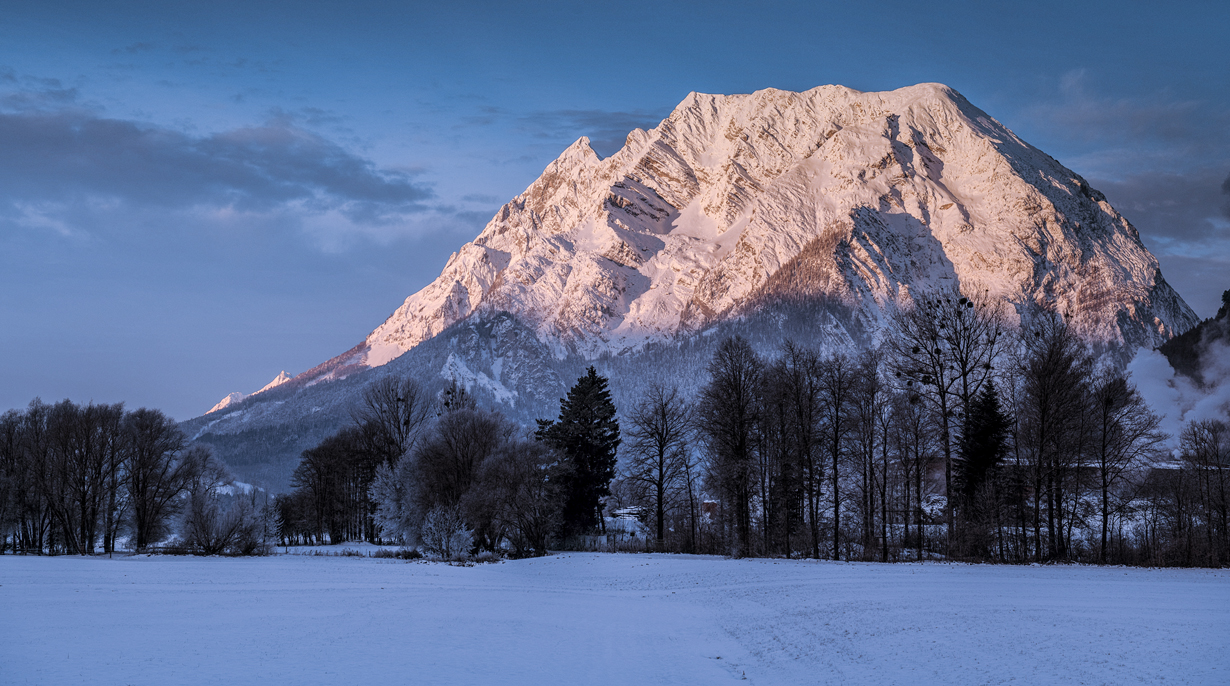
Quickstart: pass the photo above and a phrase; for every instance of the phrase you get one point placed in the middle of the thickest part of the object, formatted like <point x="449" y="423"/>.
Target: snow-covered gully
<point x="604" y="619"/>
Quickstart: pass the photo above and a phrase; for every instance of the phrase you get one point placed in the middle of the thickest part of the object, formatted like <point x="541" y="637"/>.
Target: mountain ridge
<point x="237" y="397"/>
<point x="555" y="259"/>
<point x="816" y="212"/>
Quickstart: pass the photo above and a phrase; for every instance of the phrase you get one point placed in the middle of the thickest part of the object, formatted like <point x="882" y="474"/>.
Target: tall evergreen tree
<point x="587" y="434"/>
<point x="982" y="445"/>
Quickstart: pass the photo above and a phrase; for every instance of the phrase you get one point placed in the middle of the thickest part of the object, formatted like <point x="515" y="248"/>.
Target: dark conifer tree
<point x="587" y="435"/>
<point x="982" y="446"/>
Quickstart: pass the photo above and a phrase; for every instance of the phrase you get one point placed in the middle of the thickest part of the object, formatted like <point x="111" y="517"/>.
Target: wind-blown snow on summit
<point x="866" y="197"/>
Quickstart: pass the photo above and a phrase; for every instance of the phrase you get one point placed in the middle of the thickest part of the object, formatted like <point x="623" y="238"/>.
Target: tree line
<point x="77" y="478"/>
<point x="956" y="438"/>
<point x="456" y="479"/>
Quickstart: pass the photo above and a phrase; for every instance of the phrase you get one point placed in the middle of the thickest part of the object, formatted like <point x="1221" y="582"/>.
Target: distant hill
<point x="1189" y="351"/>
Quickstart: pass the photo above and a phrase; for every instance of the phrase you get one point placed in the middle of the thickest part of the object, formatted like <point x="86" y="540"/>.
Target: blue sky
<point x="195" y="196"/>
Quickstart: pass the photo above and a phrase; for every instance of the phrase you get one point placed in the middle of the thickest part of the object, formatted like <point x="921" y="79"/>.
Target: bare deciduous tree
<point x="1206" y="447"/>
<point x="516" y="485"/>
<point x="392" y="413"/>
<point x="727" y="415"/>
<point x="1126" y="432"/>
<point x="798" y="377"/>
<point x="659" y="436"/>
<point x="156" y="475"/>
<point x="212" y="524"/>
<point x="836" y="381"/>
<point x="1055" y="371"/>
<point x="944" y="347"/>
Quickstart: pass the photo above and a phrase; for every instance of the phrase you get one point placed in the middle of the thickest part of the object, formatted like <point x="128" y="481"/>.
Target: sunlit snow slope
<point x="773" y="215"/>
<point x="237" y="397"/>
<point x="894" y="192"/>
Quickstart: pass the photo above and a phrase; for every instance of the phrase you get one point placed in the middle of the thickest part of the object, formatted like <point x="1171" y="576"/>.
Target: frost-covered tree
<point x="218" y="518"/>
<point x="391" y="491"/>
<point x="445" y="535"/>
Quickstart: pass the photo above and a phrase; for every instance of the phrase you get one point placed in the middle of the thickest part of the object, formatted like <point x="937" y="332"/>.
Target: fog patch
<point x="1178" y="399"/>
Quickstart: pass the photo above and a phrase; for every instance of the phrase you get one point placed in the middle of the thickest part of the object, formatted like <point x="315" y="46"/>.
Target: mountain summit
<point x="237" y="397"/>
<point x="872" y="195"/>
<point x="736" y="204"/>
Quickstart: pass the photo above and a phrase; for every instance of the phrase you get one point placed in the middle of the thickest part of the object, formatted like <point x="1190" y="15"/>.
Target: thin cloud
<point x="607" y="130"/>
<point x="1225" y="189"/>
<point x="1121" y="135"/>
<point x="29" y="93"/>
<point x="47" y="98"/>
<point x="134" y="48"/>
<point x="67" y="156"/>
<point x="311" y="116"/>
<point x="473" y="219"/>
<point x="1173" y="207"/>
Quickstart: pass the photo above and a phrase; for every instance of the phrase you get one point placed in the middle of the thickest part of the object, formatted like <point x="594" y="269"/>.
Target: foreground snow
<point x="604" y="619"/>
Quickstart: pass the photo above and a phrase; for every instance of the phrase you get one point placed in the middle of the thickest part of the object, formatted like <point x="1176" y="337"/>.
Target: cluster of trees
<point x="77" y="477"/>
<point x="332" y="499"/>
<point x="957" y="437"/>
<point x="455" y="478"/>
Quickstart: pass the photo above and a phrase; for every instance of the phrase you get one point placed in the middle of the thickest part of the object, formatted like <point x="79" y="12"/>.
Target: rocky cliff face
<point x="867" y="196"/>
<point x="774" y="214"/>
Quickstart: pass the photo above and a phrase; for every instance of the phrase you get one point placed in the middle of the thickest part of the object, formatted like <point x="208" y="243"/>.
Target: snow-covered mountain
<point x="230" y="399"/>
<point x="236" y="397"/>
<point x="879" y="193"/>
<point x="776" y="213"/>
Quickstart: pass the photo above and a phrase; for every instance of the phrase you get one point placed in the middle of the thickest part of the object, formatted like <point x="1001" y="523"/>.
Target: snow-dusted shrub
<point x="445" y="536"/>
<point x="487" y="556"/>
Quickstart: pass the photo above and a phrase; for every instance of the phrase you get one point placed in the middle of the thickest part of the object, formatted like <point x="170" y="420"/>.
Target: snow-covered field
<point x="604" y="619"/>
